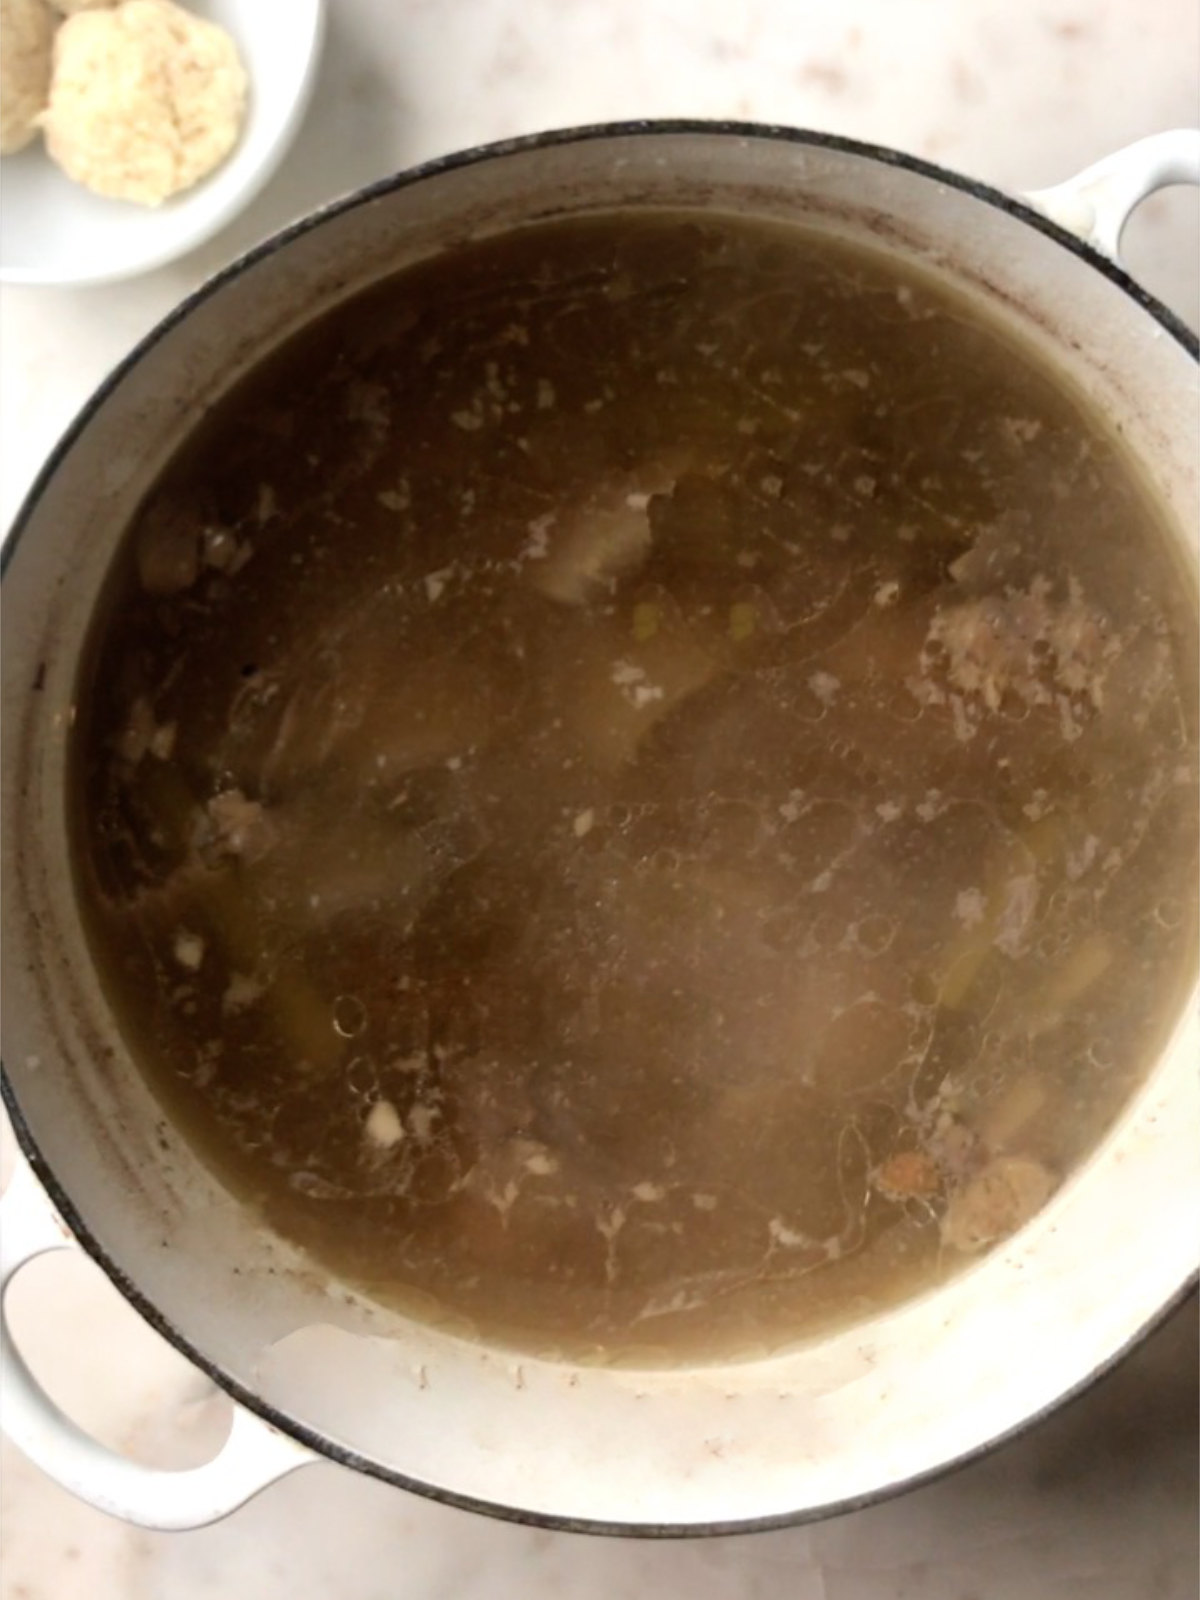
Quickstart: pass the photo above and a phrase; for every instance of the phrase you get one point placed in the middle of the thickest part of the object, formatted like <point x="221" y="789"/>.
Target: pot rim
<point x="242" y="1395"/>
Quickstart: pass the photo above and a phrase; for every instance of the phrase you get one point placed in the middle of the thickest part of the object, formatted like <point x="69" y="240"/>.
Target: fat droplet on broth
<point x="349" y="1016"/>
<point x="361" y="1076"/>
<point x="658" y="825"/>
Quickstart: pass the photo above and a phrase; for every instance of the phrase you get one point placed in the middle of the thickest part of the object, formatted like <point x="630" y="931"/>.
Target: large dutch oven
<point x="749" y="1444"/>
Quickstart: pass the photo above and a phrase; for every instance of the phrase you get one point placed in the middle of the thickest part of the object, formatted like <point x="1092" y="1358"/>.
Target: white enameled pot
<point x="316" y="1373"/>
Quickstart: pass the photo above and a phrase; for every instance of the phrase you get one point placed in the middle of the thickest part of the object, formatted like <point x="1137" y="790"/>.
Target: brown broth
<point x="636" y="791"/>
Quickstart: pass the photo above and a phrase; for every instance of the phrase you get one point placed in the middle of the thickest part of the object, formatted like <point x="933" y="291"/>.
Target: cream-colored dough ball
<point x="145" y="100"/>
<point x="26" y="39"/>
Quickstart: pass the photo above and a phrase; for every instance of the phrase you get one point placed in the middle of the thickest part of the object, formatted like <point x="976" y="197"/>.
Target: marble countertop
<point x="1099" y="1502"/>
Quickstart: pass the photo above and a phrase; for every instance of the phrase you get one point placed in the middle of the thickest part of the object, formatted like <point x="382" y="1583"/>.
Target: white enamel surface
<point x="1097" y="203"/>
<point x="253" y="1456"/>
<point x="1018" y="98"/>
<point x="53" y="231"/>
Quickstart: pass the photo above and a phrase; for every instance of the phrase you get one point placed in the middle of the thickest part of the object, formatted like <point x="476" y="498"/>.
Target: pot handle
<point x="1096" y="204"/>
<point x="254" y="1455"/>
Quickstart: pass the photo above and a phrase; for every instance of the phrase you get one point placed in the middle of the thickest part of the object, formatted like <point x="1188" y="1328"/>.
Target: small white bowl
<point x="53" y="231"/>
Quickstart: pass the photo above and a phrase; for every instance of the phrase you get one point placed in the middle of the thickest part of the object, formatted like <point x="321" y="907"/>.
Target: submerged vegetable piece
<point x="996" y="1202"/>
<point x="628" y="792"/>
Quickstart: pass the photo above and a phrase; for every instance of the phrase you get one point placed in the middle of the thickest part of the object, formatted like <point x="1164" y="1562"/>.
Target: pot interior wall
<point x="850" y="1416"/>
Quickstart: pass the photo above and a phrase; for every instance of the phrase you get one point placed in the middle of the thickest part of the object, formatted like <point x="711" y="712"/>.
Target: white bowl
<point x="55" y="231"/>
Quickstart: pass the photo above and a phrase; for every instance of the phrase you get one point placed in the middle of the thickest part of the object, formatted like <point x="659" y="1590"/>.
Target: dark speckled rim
<point x="321" y="1446"/>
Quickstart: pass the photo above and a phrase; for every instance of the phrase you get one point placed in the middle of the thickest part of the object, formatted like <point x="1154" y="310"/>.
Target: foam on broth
<point x="636" y="787"/>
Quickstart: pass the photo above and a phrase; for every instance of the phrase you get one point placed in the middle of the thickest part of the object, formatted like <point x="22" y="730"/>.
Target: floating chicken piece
<point x="237" y="828"/>
<point x="592" y="547"/>
<point x="578" y="552"/>
<point x="1023" y="644"/>
<point x="581" y="551"/>
<point x="996" y="1202"/>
